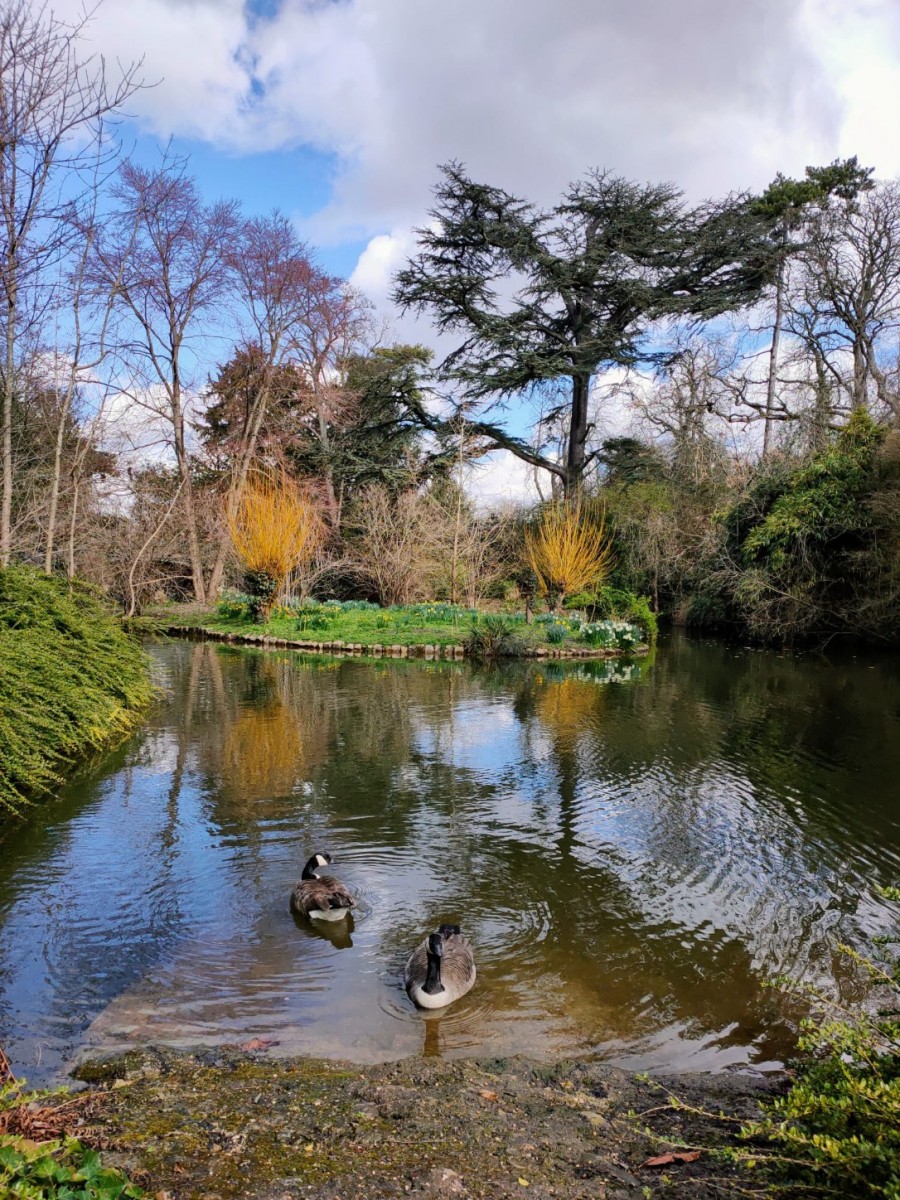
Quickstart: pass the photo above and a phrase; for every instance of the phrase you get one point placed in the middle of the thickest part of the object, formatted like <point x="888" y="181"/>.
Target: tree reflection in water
<point x="634" y="850"/>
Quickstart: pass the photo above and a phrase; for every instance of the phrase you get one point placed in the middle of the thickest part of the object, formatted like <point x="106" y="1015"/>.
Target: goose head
<point x="315" y="864"/>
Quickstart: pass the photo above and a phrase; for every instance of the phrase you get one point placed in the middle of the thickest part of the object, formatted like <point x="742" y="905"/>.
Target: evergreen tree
<point x="543" y="296"/>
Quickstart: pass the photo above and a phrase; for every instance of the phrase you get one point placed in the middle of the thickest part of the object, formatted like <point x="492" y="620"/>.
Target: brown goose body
<point x="321" y="897"/>
<point x="441" y="969"/>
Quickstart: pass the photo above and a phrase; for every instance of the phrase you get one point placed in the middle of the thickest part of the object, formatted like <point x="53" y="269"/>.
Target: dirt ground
<point x="225" y="1123"/>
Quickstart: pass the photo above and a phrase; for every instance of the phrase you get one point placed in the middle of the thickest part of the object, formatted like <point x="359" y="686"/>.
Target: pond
<point x="634" y="848"/>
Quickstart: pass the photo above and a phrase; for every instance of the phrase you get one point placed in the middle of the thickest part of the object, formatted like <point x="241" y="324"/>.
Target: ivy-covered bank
<point x="72" y="681"/>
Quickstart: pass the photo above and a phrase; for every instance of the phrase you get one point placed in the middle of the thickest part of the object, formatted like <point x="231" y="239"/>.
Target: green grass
<point x="71" y="682"/>
<point x="434" y="623"/>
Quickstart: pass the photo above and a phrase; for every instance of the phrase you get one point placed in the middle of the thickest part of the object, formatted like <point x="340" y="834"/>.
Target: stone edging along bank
<point x="200" y="633"/>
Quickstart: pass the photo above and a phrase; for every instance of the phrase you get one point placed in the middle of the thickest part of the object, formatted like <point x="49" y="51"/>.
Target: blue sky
<point x="338" y="111"/>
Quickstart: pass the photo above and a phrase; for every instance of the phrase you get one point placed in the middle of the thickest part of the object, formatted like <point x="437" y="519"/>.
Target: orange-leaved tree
<point x="275" y="528"/>
<point x="568" y="548"/>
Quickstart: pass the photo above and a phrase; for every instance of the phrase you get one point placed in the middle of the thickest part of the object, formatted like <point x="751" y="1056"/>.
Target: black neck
<point x="433" y="983"/>
<point x="309" y="871"/>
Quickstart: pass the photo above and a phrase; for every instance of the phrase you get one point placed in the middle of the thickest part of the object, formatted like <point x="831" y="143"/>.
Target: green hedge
<point x="71" y="681"/>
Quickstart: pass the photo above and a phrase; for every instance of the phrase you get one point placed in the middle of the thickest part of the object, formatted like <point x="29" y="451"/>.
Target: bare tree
<point x="336" y="318"/>
<point x="171" y="255"/>
<point x="54" y="103"/>
<point x="849" y="295"/>
<point x="274" y="277"/>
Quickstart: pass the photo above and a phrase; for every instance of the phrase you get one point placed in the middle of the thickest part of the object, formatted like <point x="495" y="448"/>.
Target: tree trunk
<point x="773" y="356"/>
<point x="860" y="374"/>
<point x="70" y="568"/>
<point x="331" y="500"/>
<point x="236" y="492"/>
<point x="9" y="391"/>
<point x="54" y="486"/>
<point x="578" y="428"/>
<point x="823" y="403"/>
<point x="184" y="469"/>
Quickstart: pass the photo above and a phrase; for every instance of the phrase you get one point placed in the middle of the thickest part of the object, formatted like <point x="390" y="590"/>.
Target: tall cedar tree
<point x="543" y="295"/>
<point x="782" y="210"/>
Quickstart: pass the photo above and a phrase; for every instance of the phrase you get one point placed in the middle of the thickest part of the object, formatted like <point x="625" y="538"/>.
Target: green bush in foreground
<point x="60" y="1170"/>
<point x="54" y="1168"/>
<point x="837" y="1131"/>
<point x="71" y="681"/>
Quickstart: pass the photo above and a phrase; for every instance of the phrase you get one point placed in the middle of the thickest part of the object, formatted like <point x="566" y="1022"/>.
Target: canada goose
<point x="440" y="970"/>
<point x="320" y="896"/>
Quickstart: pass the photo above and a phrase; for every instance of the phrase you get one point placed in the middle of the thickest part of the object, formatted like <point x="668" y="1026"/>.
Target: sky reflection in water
<point x="633" y="849"/>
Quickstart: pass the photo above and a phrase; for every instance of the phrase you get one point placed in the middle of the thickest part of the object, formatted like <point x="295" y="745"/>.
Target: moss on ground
<point x="226" y="1124"/>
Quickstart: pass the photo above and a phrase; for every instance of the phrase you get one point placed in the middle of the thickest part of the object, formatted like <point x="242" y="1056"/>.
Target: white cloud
<point x="378" y="262"/>
<point x="501" y="480"/>
<point x="528" y="92"/>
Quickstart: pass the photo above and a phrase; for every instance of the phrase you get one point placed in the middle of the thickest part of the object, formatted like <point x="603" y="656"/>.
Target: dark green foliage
<point x="812" y="547"/>
<point x="493" y="637"/>
<point x="628" y="460"/>
<point x="71" y="681"/>
<point x="262" y="588"/>
<point x="595" y="271"/>
<point x="373" y="435"/>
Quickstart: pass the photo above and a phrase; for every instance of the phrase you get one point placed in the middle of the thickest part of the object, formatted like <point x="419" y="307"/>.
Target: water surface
<point x="634" y="850"/>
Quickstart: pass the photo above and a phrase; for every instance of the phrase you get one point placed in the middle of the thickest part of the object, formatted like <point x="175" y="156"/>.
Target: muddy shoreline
<point x="225" y="1123"/>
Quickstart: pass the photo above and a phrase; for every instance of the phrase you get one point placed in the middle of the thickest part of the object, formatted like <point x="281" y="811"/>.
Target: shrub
<point x="555" y="633"/>
<point x="837" y="1131"/>
<point x="493" y="637"/>
<point x="234" y="606"/>
<point x="617" y="604"/>
<point x="568" y="548"/>
<point x="275" y="528"/>
<point x="71" y="681"/>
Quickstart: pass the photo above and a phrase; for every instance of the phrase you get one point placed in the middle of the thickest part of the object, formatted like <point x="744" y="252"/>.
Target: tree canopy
<point x="545" y="295"/>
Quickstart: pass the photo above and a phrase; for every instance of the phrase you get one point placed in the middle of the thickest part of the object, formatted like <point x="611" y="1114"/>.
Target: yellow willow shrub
<point x="277" y="527"/>
<point x="568" y="548"/>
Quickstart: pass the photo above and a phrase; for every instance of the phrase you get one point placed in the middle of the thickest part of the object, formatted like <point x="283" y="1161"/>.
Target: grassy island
<point x="447" y="630"/>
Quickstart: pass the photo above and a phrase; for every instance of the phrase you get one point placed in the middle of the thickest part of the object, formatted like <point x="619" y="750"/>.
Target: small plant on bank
<point x="276" y="527"/>
<point x="614" y="635"/>
<point x="837" y="1131"/>
<point x="35" y="1166"/>
<point x="617" y="604"/>
<point x="555" y="633"/>
<point x="568" y="548"/>
<point x="493" y="637"/>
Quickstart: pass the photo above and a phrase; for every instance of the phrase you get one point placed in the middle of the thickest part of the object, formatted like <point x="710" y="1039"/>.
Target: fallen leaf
<point x="487" y="1094"/>
<point x="259" y="1044"/>
<point x="674" y="1156"/>
<point x="523" y="1182"/>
